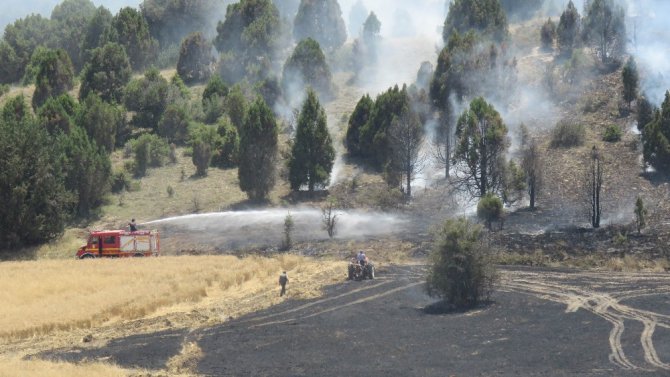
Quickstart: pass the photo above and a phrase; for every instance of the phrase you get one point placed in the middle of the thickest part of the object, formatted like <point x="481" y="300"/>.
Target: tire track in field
<point x="557" y="287"/>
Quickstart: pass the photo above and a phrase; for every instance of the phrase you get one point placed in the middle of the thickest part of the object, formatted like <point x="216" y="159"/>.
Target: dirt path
<point x="541" y="323"/>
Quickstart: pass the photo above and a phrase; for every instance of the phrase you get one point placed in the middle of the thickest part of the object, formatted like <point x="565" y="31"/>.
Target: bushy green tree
<point x="322" y="21"/>
<point x="236" y="106"/>
<point x="605" y="29"/>
<point x="215" y="87"/>
<point x="357" y="120"/>
<point x="16" y="110"/>
<point x="481" y="146"/>
<point x="630" y="79"/>
<point x="34" y="199"/>
<point x="203" y="140"/>
<point x="174" y="124"/>
<point x="227" y="150"/>
<point x="87" y="169"/>
<point x="36" y="61"/>
<point x="106" y="74"/>
<point x="148" y="98"/>
<point x="247" y="39"/>
<point x="656" y="138"/>
<point x="312" y="155"/>
<point x="195" y="59"/>
<point x="130" y="30"/>
<point x="93" y="35"/>
<point x="568" y="30"/>
<point x="150" y="151"/>
<point x="171" y="20"/>
<point x="461" y="271"/>
<point x="374" y="135"/>
<point x="104" y="123"/>
<point x="485" y="16"/>
<point x="70" y="20"/>
<point x="54" y="77"/>
<point x="24" y="36"/>
<point x="307" y="67"/>
<point x="258" y="151"/>
<point x="11" y="65"/>
<point x="489" y="209"/>
<point x="58" y="114"/>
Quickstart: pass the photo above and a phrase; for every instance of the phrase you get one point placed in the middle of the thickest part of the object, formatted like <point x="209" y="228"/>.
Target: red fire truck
<point x="120" y="243"/>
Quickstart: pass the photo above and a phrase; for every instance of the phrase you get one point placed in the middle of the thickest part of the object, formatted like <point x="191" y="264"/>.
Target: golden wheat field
<point x="49" y="302"/>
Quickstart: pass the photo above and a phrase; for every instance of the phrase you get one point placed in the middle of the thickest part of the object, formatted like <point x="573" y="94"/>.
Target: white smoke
<point x="265" y="226"/>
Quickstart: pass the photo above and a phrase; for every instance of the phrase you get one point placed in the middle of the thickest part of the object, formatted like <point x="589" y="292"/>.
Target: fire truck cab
<point x="120" y="243"/>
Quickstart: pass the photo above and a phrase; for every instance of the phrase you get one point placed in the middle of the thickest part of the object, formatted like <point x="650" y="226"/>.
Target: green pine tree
<point x="313" y="154"/>
<point x="258" y="151"/>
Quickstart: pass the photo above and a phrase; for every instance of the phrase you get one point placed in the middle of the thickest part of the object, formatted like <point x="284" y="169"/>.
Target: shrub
<point x="120" y="182"/>
<point x="567" y="134"/>
<point x="150" y="151"/>
<point x="613" y="133"/>
<point x="461" y="270"/>
<point x="170" y="191"/>
<point x="489" y="209"/>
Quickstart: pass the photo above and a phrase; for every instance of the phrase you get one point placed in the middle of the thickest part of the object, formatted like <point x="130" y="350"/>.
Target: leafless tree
<point x="329" y="218"/>
<point x="443" y="144"/>
<point x="407" y="137"/>
<point x="531" y="163"/>
<point x="594" y="187"/>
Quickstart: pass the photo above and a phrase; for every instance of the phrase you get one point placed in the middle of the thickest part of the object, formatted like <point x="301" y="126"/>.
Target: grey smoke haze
<point x="15" y="9"/>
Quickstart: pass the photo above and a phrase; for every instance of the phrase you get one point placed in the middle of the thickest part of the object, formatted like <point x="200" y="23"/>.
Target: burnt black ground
<point x="380" y="328"/>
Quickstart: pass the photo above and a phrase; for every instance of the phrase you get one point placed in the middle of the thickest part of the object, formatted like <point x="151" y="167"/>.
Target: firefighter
<point x="132" y="225"/>
<point x="362" y="259"/>
<point x="283" y="280"/>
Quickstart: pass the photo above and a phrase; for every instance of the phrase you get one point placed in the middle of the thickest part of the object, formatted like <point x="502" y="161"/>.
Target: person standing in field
<point x="283" y="280"/>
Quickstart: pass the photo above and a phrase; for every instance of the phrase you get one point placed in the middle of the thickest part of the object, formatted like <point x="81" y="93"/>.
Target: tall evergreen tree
<point x="87" y="169"/>
<point x="195" y="59"/>
<point x="247" y="39"/>
<point x="258" y="151"/>
<point x="630" y="79"/>
<point x="130" y="30"/>
<point x="313" y="154"/>
<point x="54" y="77"/>
<point x="357" y="120"/>
<point x="568" y="29"/>
<point x="485" y="16"/>
<point x="656" y="138"/>
<point x="322" y="21"/>
<point x="70" y="20"/>
<point x="32" y="191"/>
<point x="93" y="35"/>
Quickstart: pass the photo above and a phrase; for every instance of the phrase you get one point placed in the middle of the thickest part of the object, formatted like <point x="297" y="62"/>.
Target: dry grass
<point x="59" y="295"/>
<point x="17" y="367"/>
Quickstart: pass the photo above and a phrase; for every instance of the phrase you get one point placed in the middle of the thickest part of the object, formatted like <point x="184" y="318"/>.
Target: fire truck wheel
<point x="138" y="255"/>
<point x="87" y="256"/>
